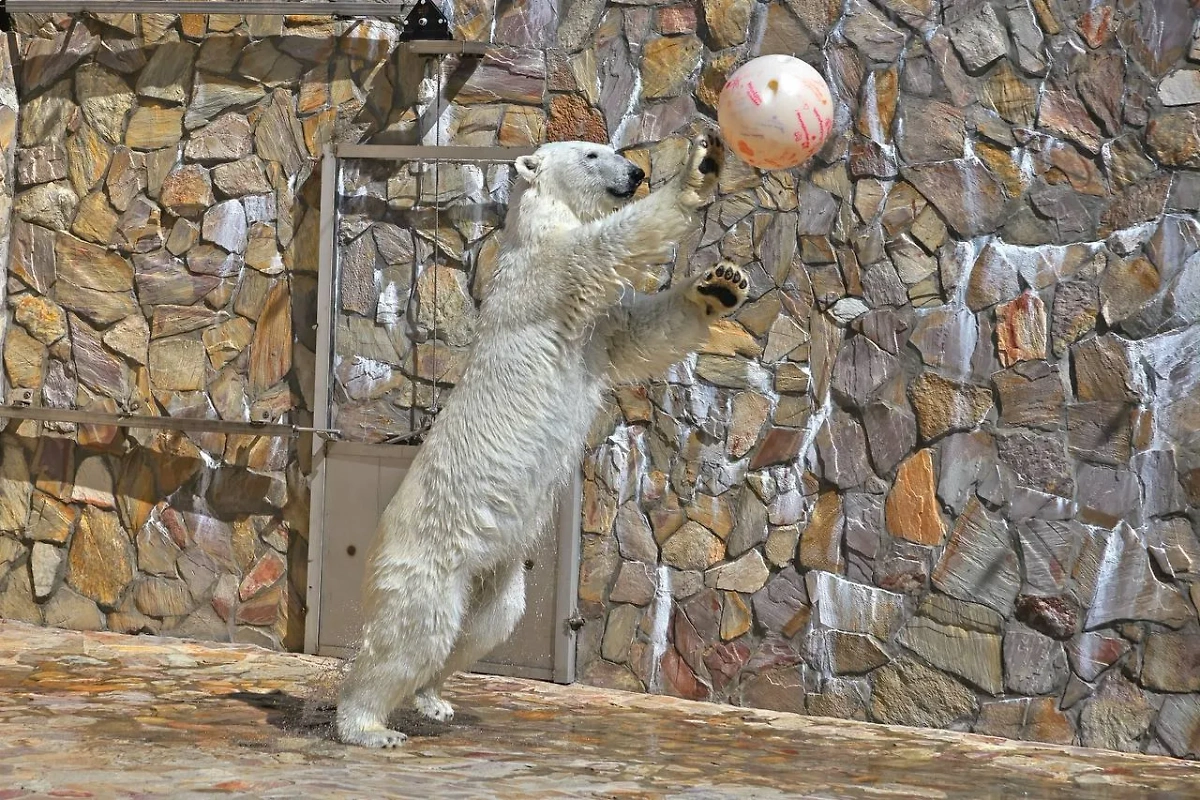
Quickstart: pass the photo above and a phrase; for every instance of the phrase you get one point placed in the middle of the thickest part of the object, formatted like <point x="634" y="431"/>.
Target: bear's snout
<point x="633" y="179"/>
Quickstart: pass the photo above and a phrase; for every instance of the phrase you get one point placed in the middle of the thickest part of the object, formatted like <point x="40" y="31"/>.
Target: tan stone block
<point x="152" y="128"/>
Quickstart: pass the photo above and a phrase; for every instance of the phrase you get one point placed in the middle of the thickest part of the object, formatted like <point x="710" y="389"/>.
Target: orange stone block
<point x="912" y="510"/>
<point x="1021" y="329"/>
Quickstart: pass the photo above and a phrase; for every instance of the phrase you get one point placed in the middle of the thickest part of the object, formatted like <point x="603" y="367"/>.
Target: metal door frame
<point x="569" y="517"/>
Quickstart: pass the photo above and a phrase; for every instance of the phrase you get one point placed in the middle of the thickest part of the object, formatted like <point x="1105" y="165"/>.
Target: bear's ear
<point x="527" y="167"/>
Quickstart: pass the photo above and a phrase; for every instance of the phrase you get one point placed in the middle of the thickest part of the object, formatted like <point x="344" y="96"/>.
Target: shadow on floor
<point x="315" y="716"/>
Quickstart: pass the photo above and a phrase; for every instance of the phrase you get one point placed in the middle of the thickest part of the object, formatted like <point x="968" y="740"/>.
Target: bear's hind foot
<point x="721" y="290"/>
<point x="374" y="737"/>
<point x="429" y="704"/>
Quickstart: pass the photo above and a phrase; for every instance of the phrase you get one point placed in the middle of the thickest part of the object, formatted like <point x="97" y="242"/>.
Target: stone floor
<point x="103" y="715"/>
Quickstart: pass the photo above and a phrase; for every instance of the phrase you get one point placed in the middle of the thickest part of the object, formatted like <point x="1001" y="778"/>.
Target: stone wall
<point x="163" y="262"/>
<point x="941" y="470"/>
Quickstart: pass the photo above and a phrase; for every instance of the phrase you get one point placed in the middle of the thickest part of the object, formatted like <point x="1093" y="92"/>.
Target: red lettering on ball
<point x="803" y="125"/>
<point x="824" y="123"/>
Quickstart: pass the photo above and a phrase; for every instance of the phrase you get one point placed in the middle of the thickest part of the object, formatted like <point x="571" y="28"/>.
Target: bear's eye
<point x="593" y="155"/>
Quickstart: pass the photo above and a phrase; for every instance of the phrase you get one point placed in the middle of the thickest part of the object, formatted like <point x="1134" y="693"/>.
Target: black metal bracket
<point x="425" y="22"/>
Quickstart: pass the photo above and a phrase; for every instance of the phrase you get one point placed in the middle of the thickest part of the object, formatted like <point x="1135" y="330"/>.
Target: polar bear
<point x="559" y="324"/>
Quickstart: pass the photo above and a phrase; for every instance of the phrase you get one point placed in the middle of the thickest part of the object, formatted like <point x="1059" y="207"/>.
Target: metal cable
<point x="437" y="224"/>
<point x="417" y="433"/>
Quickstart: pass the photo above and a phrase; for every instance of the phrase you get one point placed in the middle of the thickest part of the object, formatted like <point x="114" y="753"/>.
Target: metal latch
<point x="425" y="23"/>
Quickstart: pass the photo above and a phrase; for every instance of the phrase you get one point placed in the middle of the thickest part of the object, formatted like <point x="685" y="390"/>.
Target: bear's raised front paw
<point x="721" y="290"/>
<point x="428" y="704"/>
<point x="377" y="738"/>
<point x="702" y="169"/>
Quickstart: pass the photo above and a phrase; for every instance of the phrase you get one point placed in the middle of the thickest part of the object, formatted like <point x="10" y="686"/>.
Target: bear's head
<point x="592" y="180"/>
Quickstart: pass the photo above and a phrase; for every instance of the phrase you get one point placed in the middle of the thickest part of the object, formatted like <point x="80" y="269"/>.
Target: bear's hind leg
<point x="498" y="607"/>
<point x="411" y="632"/>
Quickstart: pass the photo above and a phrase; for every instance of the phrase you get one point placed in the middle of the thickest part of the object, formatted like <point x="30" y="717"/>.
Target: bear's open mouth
<point x="625" y="194"/>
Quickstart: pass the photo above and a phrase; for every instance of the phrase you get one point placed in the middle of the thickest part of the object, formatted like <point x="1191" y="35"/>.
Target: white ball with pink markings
<point x="775" y="112"/>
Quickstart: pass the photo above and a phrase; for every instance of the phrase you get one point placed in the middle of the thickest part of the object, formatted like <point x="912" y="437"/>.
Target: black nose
<point x="637" y="175"/>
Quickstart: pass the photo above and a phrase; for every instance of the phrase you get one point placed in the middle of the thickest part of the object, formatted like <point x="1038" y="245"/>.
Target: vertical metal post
<point x="326" y="327"/>
<point x="9" y="53"/>
<point x="566" y="594"/>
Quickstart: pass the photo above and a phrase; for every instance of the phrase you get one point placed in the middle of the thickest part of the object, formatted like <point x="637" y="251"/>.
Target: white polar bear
<point x="445" y="578"/>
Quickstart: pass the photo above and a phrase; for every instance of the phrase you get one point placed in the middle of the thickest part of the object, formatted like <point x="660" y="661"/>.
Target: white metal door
<point x="360" y="481"/>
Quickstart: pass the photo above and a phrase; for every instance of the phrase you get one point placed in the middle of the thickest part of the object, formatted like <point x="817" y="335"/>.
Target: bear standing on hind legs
<point x="445" y="579"/>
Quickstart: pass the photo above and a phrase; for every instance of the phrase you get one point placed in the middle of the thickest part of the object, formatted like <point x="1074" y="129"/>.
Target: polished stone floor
<point x="103" y="715"/>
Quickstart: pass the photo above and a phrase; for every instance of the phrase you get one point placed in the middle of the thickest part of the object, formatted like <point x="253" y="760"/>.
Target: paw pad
<point x="732" y="274"/>
<point x="723" y="288"/>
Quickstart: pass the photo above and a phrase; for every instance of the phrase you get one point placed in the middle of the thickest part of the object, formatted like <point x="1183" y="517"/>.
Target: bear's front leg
<point x="656" y="330"/>
<point x="608" y="255"/>
<point x="697" y="181"/>
<point x="625" y="243"/>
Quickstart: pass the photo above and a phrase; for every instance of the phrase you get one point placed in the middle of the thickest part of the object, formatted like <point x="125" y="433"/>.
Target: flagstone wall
<point x="165" y="186"/>
<point x="163" y="263"/>
<point x="942" y="469"/>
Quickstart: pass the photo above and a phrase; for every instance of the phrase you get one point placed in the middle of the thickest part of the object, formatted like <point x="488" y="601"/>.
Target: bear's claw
<point x="376" y="738"/>
<point x="433" y="707"/>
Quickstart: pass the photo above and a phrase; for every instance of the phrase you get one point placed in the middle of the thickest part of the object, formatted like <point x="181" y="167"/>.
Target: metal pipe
<point x="427" y="153"/>
<point x="322" y="394"/>
<point x="185" y="424"/>
<point x="326" y="324"/>
<point x="340" y="8"/>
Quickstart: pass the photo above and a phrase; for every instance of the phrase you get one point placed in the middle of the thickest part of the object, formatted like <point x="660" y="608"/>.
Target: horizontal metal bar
<point x="185" y="424"/>
<point x="340" y="8"/>
<point x="511" y="670"/>
<point x="443" y="47"/>
<point x="404" y="152"/>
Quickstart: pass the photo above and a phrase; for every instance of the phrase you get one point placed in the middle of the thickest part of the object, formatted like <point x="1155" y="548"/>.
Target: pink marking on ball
<point x="745" y="148"/>
<point x="803" y="125"/>
<point x="753" y="94"/>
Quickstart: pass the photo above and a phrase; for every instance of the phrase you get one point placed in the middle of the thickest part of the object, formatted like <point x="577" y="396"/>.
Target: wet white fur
<point x="445" y="582"/>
